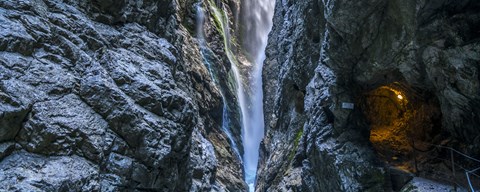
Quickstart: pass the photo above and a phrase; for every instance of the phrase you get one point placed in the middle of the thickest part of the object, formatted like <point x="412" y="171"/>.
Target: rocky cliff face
<point x="108" y="96"/>
<point x="116" y="96"/>
<point x="322" y="54"/>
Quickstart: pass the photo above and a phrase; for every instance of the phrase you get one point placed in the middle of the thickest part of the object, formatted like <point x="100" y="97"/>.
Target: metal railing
<point x="454" y="167"/>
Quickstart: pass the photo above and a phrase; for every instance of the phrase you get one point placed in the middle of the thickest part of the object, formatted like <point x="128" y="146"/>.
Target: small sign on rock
<point x="347" y="105"/>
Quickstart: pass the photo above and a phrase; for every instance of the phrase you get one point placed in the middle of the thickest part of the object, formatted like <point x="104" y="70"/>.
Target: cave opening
<point x="402" y="120"/>
<point x="406" y="133"/>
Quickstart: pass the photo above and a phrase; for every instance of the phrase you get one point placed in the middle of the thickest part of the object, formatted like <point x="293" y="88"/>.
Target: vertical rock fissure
<point x="257" y="18"/>
<point x="257" y="23"/>
<point x="203" y="51"/>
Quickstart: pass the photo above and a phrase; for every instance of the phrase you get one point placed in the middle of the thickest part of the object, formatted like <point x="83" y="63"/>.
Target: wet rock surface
<point x="71" y="173"/>
<point x="115" y="95"/>
<point x="322" y="54"/>
<point x="107" y="96"/>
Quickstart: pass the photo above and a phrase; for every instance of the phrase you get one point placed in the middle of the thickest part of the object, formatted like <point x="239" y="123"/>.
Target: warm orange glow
<point x="400" y="97"/>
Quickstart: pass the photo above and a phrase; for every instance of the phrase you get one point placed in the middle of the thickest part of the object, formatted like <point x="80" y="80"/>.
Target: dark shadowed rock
<point x="105" y="96"/>
<point x="64" y="126"/>
<point x="17" y="99"/>
<point x="338" y="51"/>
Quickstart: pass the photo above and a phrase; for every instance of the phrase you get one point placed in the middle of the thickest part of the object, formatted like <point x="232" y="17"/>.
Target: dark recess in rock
<point x="104" y="95"/>
<point x="427" y="51"/>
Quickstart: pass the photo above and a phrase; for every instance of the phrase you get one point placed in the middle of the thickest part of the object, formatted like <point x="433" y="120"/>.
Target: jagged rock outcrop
<point x="324" y="53"/>
<point x="115" y="95"/>
<point x="108" y="96"/>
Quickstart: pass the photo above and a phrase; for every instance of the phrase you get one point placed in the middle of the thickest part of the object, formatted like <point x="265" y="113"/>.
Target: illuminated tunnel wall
<point x="399" y="117"/>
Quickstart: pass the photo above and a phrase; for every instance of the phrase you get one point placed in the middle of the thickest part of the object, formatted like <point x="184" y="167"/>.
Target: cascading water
<point x="257" y="22"/>
<point x="204" y="51"/>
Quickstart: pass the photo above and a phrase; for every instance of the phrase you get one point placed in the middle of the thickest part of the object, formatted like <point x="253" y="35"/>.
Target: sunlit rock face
<point x="109" y="96"/>
<point x="324" y="54"/>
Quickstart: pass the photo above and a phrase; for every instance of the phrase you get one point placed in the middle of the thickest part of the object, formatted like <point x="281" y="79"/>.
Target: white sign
<point x="347" y="105"/>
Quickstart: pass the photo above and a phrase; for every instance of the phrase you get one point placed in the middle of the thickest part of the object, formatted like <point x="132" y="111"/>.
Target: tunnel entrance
<point x="401" y="117"/>
<point x="405" y="131"/>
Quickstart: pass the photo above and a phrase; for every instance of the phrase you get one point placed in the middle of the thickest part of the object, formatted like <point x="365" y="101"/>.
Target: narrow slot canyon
<point x="240" y="95"/>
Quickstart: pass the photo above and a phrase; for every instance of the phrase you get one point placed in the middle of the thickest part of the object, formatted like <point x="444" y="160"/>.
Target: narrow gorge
<point x="239" y="95"/>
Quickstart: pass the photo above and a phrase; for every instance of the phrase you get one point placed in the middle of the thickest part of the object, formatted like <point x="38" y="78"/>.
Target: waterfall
<point x="257" y="22"/>
<point x="204" y="52"/>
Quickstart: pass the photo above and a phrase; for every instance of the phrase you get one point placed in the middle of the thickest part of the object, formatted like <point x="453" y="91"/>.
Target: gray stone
<point x="64" y="126"/>
<point x="421" y="184"/>
<point x="323" y="53"/>
<point x="17" y="98"/>
<point x="6" y="149"/>
<point x="203" y="163"/>
<point x="23" y="171"/>
<point x="113" y="87"/>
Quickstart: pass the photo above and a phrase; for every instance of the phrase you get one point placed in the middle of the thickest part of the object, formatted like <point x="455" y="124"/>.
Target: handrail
<point x="453" y="164"/>
<point x="469" y="182"/>
<point x="463" y="154"/>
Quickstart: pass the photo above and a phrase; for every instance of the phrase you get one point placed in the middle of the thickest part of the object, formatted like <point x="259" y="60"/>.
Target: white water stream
<point x="257" y="22"/>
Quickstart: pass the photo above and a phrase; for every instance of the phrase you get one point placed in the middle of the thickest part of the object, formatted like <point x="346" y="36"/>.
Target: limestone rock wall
<point x="108" y="96"/>
<point x="324" y="53"/>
